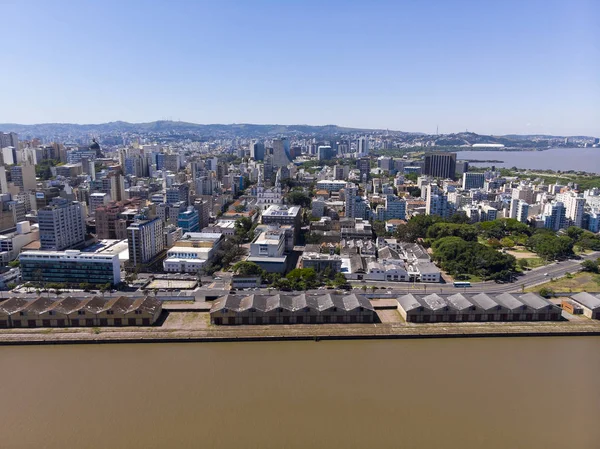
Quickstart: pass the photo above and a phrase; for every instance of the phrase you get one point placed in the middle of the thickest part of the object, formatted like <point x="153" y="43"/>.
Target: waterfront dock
<point x="195" y="327"/>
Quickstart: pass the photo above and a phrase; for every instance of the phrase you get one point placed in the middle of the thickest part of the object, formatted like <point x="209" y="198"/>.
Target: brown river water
<point x="447" y="393"/>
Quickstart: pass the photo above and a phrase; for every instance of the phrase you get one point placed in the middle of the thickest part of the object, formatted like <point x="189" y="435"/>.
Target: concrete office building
<point x="267" y="250"/>
<point x="281" y="153"/>
<point x="11" y="243"/>
<point x="437" y="202"/>
<point x="97" y="200"/>
<point x="190" y="253"/>
<point x="62" y="225"/>
<point x="145" y="240"/>
<point x="440" y="165"/>
<point x="189" y="220"/>
<point x="257" y="151"/>
<point x="325" y="153"/>
<point x="364" y="167"/>
<point x="362" y="146"/>
<point x="283" y="215"/>
<point x="554" y="216"/>
<point x="574" y="207"/>
<point x="70" y="267"/>
<point x="9" y="140"/>
<point x="351" y="194"/>
<point x="473" y="180"/>
<point x="23" y="176"/>
<point x="331" y="185"/>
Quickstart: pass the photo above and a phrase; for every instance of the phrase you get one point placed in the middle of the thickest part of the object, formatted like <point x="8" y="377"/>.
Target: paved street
<point x="219" y="284"/>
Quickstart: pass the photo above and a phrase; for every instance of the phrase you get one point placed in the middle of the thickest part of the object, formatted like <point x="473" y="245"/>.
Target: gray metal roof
<point x="434" y="302"/>
<point x="587" y="300"/>
<point x="484" y="301"/>
<point x="459" y="302"/>
<point x="409" y="302"/>
<point x="508" y="301"/>
<point x="536" y="302"/>
<point x="291" y="302"/>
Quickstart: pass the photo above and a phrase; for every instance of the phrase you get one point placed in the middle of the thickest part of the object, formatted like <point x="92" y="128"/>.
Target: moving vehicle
<point x="462" y="284"/>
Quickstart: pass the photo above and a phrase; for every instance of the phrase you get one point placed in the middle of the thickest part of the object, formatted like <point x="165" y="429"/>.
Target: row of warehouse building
<point x="477" y="307"/>
<point x="292" y="309"/>
<point x="77" y="312"/>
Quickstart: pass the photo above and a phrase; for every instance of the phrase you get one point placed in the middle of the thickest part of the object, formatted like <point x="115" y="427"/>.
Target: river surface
<point x="497" y="393"/>
<point x="564" y="159"/>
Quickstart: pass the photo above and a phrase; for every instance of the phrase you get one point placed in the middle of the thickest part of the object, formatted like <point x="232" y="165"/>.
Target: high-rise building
<point x="351" y="192"/>
<point x="555" y="216"/>
<point x="395" y="208"/>
<point x="281" y="152"/>
<point x="462" y="167"/>
<point x="364" y="166"/>
<point x="522" y="211"/>
<point x="9" y="140"/>
<point x="178" y="193"/>
<point x="325" y="153"/>
<point x="169" y="162"/>
<point x="574" y="207"/>
<point x="23" y="176"/>
<point x="189" y="220"/>
<point x="385" y="163"/>
<point x="362" y="146"/>
<point x="257" y="151"/>
<point x="339" y="173"/>
<point x="473" y="180"/>
<point x="203" y="207"/>
<point x="437" y="202"/>
<point x="109" y="224"/>
<point x="440" y="165"/>
<point x="145" y="239"/>
<point x="62" y="225"/>
<point x="96" y="200"/>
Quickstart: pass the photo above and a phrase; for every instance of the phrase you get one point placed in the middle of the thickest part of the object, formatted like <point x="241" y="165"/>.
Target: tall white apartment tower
<point x="351" y="192"/>
<point x="62" y="225"/>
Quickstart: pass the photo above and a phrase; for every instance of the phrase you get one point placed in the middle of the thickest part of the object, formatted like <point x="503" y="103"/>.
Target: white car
<point x="545" y="274"/>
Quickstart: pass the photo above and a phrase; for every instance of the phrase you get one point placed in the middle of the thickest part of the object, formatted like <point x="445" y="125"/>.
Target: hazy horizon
<point x="285" y="124"/>
<point x="498" y="68"/>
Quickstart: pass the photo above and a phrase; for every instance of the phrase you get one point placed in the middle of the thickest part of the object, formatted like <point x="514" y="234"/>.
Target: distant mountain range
<point x="174" y="129"/>
<point x="165" y="126"/>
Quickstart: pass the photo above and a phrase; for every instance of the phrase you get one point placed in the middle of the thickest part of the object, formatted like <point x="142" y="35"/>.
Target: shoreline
<point x="306" y="333"/>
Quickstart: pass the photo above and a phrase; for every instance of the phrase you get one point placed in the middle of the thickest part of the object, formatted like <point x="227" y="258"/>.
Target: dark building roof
<point x="291" y="302"/>
<point x="69" y="305"/>
<point x="13" y="305"/>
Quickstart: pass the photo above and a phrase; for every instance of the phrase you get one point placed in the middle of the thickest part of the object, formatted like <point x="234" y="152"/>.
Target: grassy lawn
<point x="579" y="282"/>
<point x="535" y="262"/>
<point x="469" y="278"/>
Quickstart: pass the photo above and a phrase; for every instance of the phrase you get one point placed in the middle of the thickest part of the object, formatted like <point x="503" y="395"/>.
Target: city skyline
<point x="509" y="68"/>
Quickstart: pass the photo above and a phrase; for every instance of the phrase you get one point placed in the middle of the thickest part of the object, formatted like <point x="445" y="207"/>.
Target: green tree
<point x="546" y="292"/>
<point x="590" y="266"/>
<point x="507" y="242"/>
<point x="298" y="198"/>
<point x="339" y="280"/>
<point x="416" y="228"/>
<point x="246" y="268"/>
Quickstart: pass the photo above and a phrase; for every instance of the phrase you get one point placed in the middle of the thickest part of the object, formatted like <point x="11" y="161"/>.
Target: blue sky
<point x="487" y="66"/>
